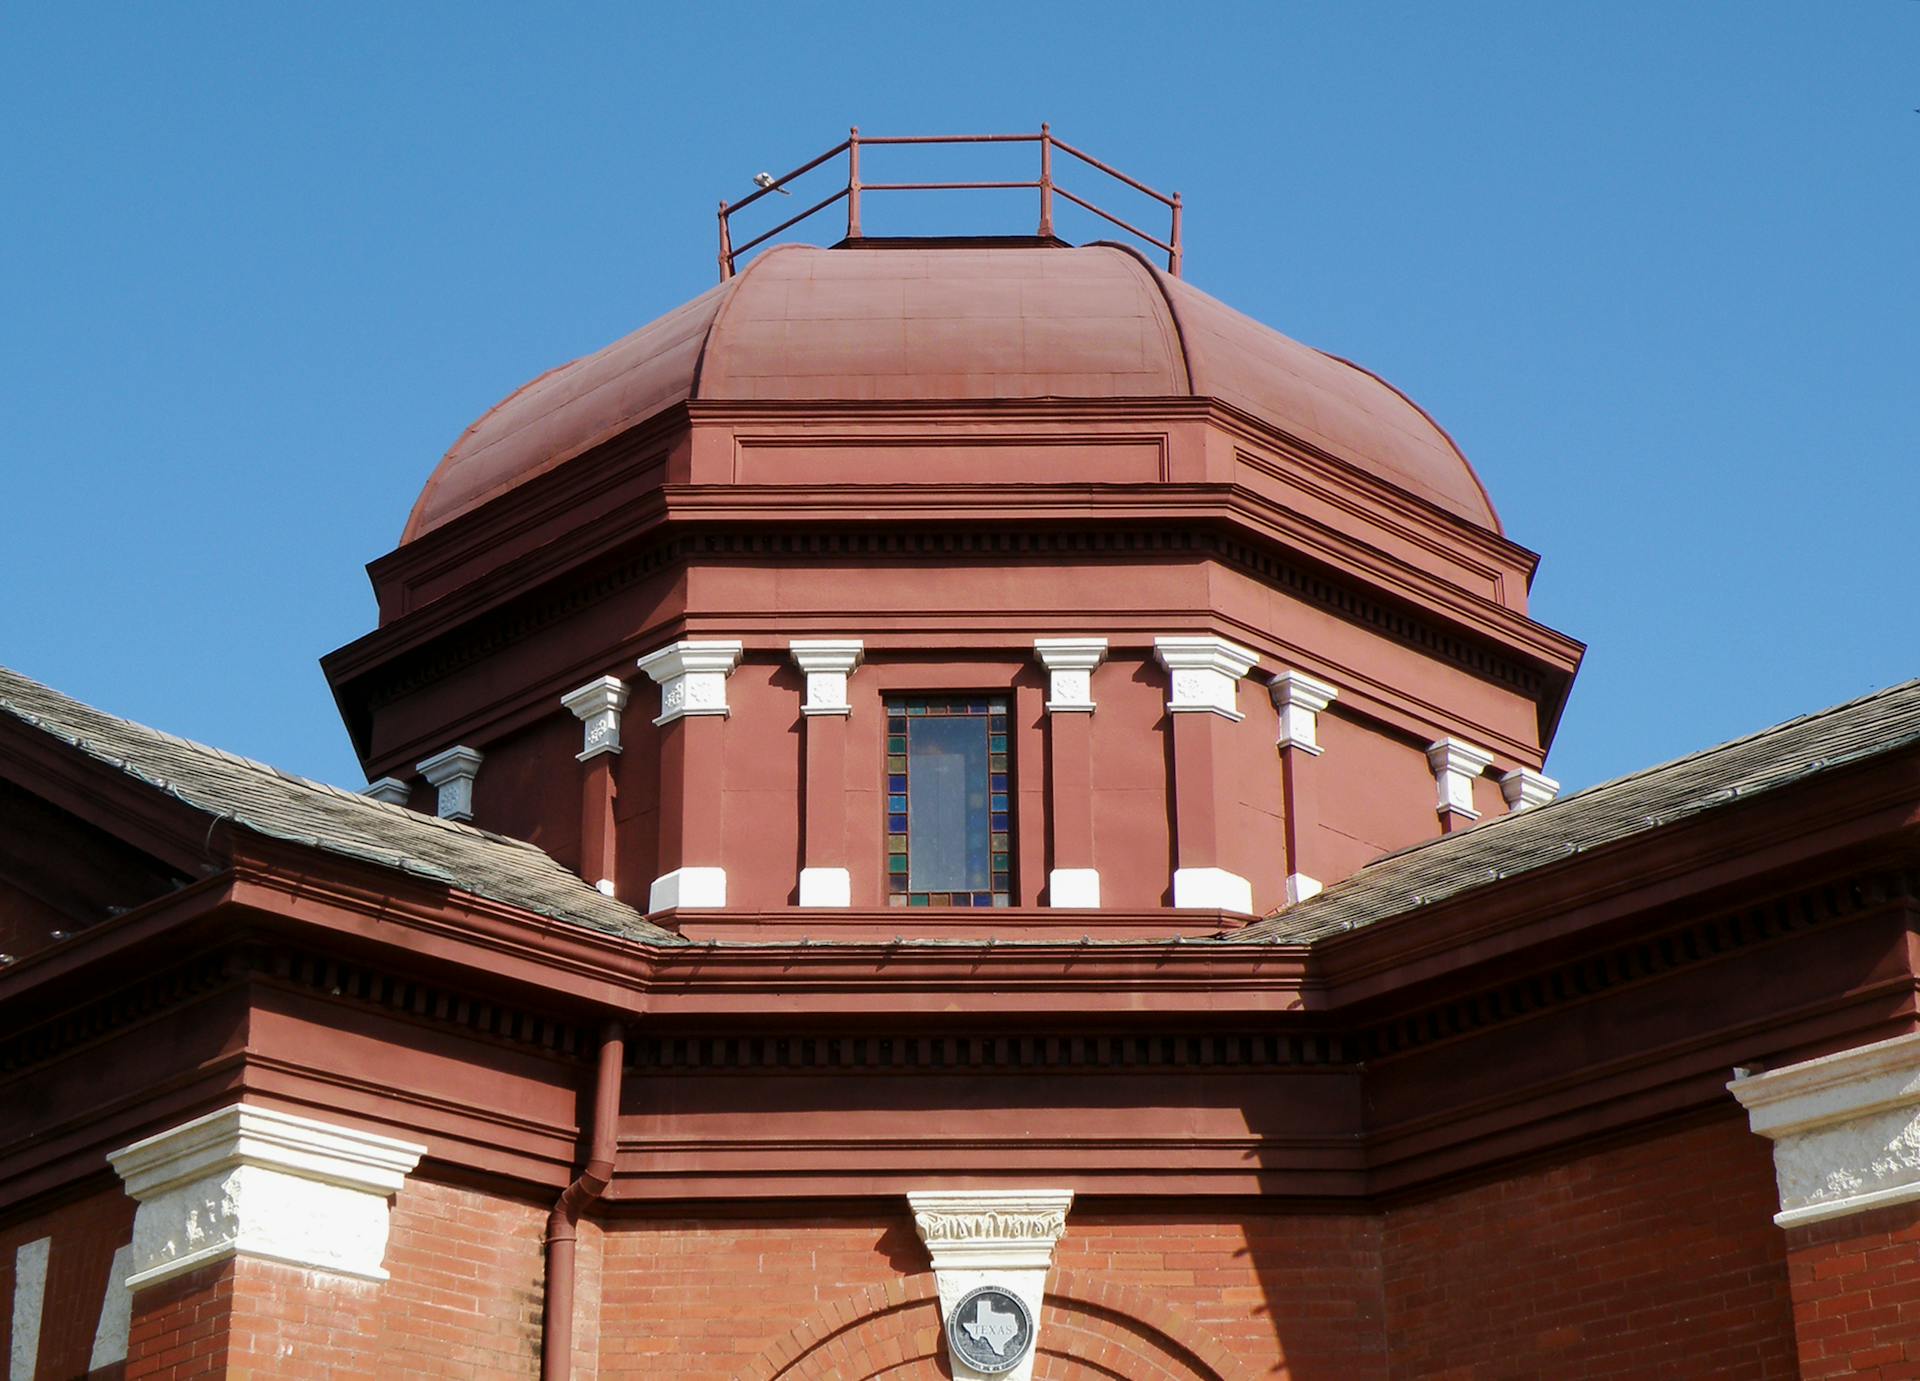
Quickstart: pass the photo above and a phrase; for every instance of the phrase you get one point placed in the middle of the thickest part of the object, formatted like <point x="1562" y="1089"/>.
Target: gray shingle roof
<point x="279" y="805"/>
<point x="1451" y="865"/>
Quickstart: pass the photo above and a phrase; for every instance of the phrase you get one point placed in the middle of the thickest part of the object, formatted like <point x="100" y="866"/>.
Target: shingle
<point x="278" y="805"/>
<point x="1497" y="850"/>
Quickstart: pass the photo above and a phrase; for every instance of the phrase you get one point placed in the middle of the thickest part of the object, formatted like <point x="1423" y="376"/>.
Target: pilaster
<point x="1070" y="664"/>
<point x="826" y="879"/>
<point x="692" y="676"/>
<point x="1203" y="684"/>
<point x="598" y="706"/>
<point x="1299" y="699"/>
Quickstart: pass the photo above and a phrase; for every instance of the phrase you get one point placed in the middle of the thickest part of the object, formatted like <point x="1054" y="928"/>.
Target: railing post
<point x="726" y="246"/>
<point x="853" y="183"/>
<point x="1173" y="255"/>
<point x="1046" y="181"/>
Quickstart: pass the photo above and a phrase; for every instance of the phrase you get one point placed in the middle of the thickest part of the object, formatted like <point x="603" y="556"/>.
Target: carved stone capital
<point x="1070" y="663"/>
<point x="1204" y="674"/>
<point x="999" y="1239"/>
<point x="597" y="705"/>
<point x="692" y="676"/>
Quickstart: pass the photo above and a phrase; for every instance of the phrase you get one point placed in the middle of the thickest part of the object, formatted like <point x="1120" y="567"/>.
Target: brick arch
<point x="1092" y="1329"/>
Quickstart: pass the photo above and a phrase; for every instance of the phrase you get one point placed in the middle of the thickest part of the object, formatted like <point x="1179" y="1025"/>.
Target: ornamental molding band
<point x="828" y="662"/>
<point x="451" y="773"/>
<point x="991" y="1250"/>
<point x="692" y="676"/>
<point x="1524" y="789"/>
<point x="1211" y="889"/>
<point x="1455" y="765"/>
<point x="1070" y="664"/>
<point x="1299" y="699"/>
<point x="1204" y="674"/>
<point x="597" y="705"/>
<point x="1845" y="1129"/>
<point x="256" y="1182"/>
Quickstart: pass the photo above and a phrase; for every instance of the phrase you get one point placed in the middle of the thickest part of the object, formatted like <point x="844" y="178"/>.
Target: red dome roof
<point x="953" y="323"/>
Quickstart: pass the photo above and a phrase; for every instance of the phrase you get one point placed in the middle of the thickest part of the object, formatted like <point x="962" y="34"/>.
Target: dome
<point x="954" y="322"/>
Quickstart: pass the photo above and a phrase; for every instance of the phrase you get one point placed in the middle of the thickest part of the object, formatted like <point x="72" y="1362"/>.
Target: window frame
<point x="898" y="712"/>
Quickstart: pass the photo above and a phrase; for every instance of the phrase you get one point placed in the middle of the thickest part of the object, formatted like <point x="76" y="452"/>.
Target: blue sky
<point x="1654" y="266"/>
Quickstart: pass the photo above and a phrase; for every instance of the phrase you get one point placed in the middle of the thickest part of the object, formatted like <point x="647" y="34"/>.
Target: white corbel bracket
<point x="1070" y="664"/>
<point x="597" y="705"/>
<point x="1845" y="1129"/>
<point x="1299" y="699"/>
<point x="991" y="1237"/>
<point x="1204" y="674"/>
<point x="256" y="1182"/>
<point x="1524" y="789"/>
<point x="391" y="790"/>
<point x="451" y="774"/>
<point x="692" y="676"/>
<point x="827" y="662"/>
<point x="1455" y="766"/>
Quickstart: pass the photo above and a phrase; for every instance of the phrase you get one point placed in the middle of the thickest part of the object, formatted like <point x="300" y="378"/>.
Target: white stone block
<point x="827" y="662"/>
<point x="1073" y="887"/>
<point x="451" y="773"/>
<point x="1211" y="889"/>
<point x="597" y="705"/>
<point x="1070" y="664"/>
<point x="1299" y="699"/>
<point x="692" y="676"/>
<point x="116" y="1313"/>
<point x="1300" y="887"/>
<point x="826" y="887"/>
<point x="685" y="888"/>
<point x="1524" y="789"/>
<point x="29" y="1300"/>
<point x="1455" y="766"/>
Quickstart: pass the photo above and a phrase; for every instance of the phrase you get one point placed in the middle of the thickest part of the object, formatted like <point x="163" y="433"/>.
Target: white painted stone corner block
<point x="997" y="1237"/>
<point x="1845" y="1129"/>
<point x="1070" y="664"/>
<point x="828" y="663"/>
<point x="257" y="1182"/>
<point x="692" y="676"/>
<point x="451" y="773"/>
<point x="1299" y="698"/>
<point x="597" y="705"/>
<point x="1211" y="889"/>
<point x="684" y="888"/>
<point x="1077" y="888"/>
<point x="1455" y="766"/>
<point x="1204" y="674"/>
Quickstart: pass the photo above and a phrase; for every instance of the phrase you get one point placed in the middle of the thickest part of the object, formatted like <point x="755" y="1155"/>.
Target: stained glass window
<point x="949" y="802"/>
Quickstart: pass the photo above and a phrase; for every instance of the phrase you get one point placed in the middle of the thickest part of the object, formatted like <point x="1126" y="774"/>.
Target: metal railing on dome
<point x="852" y="193"/>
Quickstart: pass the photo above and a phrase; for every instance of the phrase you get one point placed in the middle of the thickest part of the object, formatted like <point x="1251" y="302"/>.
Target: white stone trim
<point x="1300" y="887"/>
<point x="257" y="1182"/>
<point x="29" y="1303"/>
<point x="1299" y="698"/>
<point x="1524" y="789"/>
<point x="1070" y="664"/>
<point x="1074" y="887"/>
<point x="688" y="887"/>
<point x="116" y="1313"/>
<point x="692" y="676"/>
<point x="597" y="705"/>
<point x="826" y="887"/>
<point x="828" y="662"/>
<point x="1211" y="889"/>
<point x="1455" y="765"/>
<point x="1000" y="1237"/>
<point x="451" y="773"/>
<point x="391" y="790"/>
<point x="1203" y="674"/>
<point x="1845" y="1129"/>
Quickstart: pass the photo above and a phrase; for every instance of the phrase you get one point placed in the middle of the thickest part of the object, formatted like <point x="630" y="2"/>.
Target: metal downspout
<point x="556" y="1340"/>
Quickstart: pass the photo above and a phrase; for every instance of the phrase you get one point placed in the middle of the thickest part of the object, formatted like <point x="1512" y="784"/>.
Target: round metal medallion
<point x="990" y="1329"/>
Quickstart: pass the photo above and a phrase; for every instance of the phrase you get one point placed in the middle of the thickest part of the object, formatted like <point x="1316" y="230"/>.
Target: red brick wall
<point x="84" y="1233"/>
<point x="181" y="1328"/>
<point x="1856" y="1294"/>
<point x="1655" y="1258"/>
